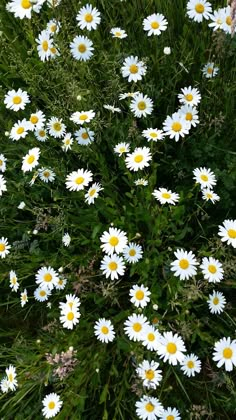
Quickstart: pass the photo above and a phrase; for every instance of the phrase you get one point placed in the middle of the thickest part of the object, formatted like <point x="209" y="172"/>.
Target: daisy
<point x="149" y="373"/>
<point x="184" y="266"/>
<point x="189" y="96"/>
<point x="61" y="283"/>
<point x="167" y="51"/>
<point x="79" y="179"/>
<point x="135" y="325"/>
<point x="198" y="10"/>
<point x="118" y="33"/>
<point x="128" y="95"/>
<point x="204" y="177"/>
<point x="208" y="194"/>
<point x="112" y="266"/>
<point x="23" y="8"/>
<point x="225" y="353"/>
<point x="3" y="187"/>
<point x="4" y="247"/>
<point x="155" y="24"/>
<point x="51" y="405"/>
<point x="217" y="19"/>
<point x="2" y="163"/>
<point x="21" y="205"/>
<point x="24" y="298"/>
<point x="88" y="17"/>
<point x="46" y="277"/>
<point x="166" y="196"/>
<point x="93" y="192"/>
<point x="191" y="365"/>
<point x="41" y="295"/>
<point x="11" y="377"/>
<point x="148" y="408"/>
<point x="153" y="134"/>
<point x="122" y="148"/>
<point x="14" y="285"/>
<point x="104" y="330"/>
<point x="138" y="159"/>
<point x="171" y="348"/>
<point x="115" y="240"/>
<point x="228" y="232"/>
<point x="132" y="252"/>
<point x="72" y="302"/>
<point x="82" y="117"/>
<point x="112" y="108"/>
<point x="176" y="126"/>
<point x="139" y="295"/>
<point x="41" y="135"/>
<point x="53" y="26"/>
<point x="141" y="181"/>
<point x="56" y="128"/>
<point x="37" y="120"/>
<point x="4" y="385"/>
<point x="69" y="317"/>
<point x="210" y="70"/>
<point x="191" y="114"/>
<point x="30" y="160"/>
<point x="227" y="20"/>
<point x="150" y="338"/>
<point x="20" y="130"/>
<point x="212" y="270"/>
<point x="141" y="105"/>
<point x="133" y="69"/>
<point x="67" y="142"/>
<point x="81" y="48"/>
<point x="170" y="414"/>
<point x="66" y="239"/>
<point x="45" y="43"/>
<point x="16" y="99"/>
<point x="46" y="175"/>
<point x="84" y="136"/>
<point x="216" y="302"/>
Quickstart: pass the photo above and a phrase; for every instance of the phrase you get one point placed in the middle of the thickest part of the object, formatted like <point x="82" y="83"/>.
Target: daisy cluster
<point x="9" y="382"/>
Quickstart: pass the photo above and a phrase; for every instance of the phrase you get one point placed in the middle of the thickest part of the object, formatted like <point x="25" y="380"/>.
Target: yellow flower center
<point x="171" y="348"/>
<point x="82" y="48"/>
<point x="45" y="45"/>
<point x="13" y="280"/>
<point x="122" y="150"/>
<point x="227" y="353"/>
<point x="42" y="293"/>
<point x="31" y="159"/>
<point x="83" y="117"/>
<point x="105" y="330"/>
<point x="133" y="69"/>
<point x="232" y="233"/>
<point x="210" y="70"/>
<point x="51" y="405"/>
<point x="199" y="8"/>
<point x="25" y="4"/>
<point x="46" y="174"/>
<point x="47" y="277"/>
<point x="149" y="407"/>
<point x="67" y="141"/>
<point x="92" y="192"/>
<point x="190" y="364"/>
<point x="113" y="241"/>
<point x="149" y="374"/>
<point x="189" y="116"/>
<point x="170" y="417"/>
<point x="153" y="134"/>
<point x="42" y="133"/>
<point x="176" y="126"/>
<point x="53" y="50"/>
<point x="216" y="300"/>
<point x="139" y="295"/>
<point x="138" y="158"/>
<point x="1" y="162"/>
<point x="184" y="264"/>
<point x="118" y="34"/>
<point x="166" y="195"/>
<point x="34" y="119"/>
<point x="10" y="377"/>
<point x="88" y="17"/>
<point x="2" y="247"/>
<point x="189" y="97"/>
<point x="79" y="180"/>
<point x="70" y="316"/>
<point x="209" y="195"/>
<point x="112" y="266"/>
<point x="57" y="126"/>
<point x="17" y="100"/>
<point x="60" y="282"/>
<point x="228" y="20"/>
<point x="212" y="269"/>
<point x="155" y="25"/>
<point x="20" y="130"/>
<point x="142" y="105"/>
<point x="204" y="178"/>
<point x="137" y="327"/>
<point x="219" y="21"/>
<point x="84" y="135"/>
<point x="151" y="337"/>
<point x="53" y="27"/>
<point x="132" y="252"/>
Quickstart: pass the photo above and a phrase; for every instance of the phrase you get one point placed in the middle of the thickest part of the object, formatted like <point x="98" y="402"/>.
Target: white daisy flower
<point x="150" y="338"/>
<point x="227" y="20"/>
<point x="212" y="270"/>
<point x="189" y="96"/>
<point x="72" y="302"/>
<point x="37" y="120"/>
<point x="45" y="43"/>
<point x="16" y="99"/>
<point x="204" y="177"/>
<point x="138" y="159"/>
<point x="141" y="105"/>
<point x="135" y="325"/>
<point x="93" y="192"/>
<point x="209" y="195"/>
<point x="88" y="17"/>
<point x="23" y="8"/>
<point x="171" y="348"/>
<point x="3" y="187"/>
<point x="11" y="377"/>
<point x="69" y="317"/>
<point x="14" y="285"/>
<point x="148" y="408"/>
<point x="184" y="266"/>
<point x="41" y="295"/>
<point x="122" y="148"/>
<point x="67" y="142"/>
<point x="31" y="159"/>
<point x="53" y="26"/>
<point x="132" y="252"/>
<point x="133" y="68"/>
<point x="112" y="108"/>
<point x="2" y="163"/>
<point x="128" y="95"/>
<point x="84" y="136"/>
<point x="82" y="117"/>
<point x="66" y="239"/>
<point x="155" y="24"/>
<point x="46" y="278"/>
<point x="79" y="179"/>
<point x="139" y="295"/>
<point x="46" y="175"/>
<point x="176" y="126"/>
<point x="24" y="298"/>
<point x="149" y="373"/>
<point x="216" y="302"/>
<point x="114" y="241"/>
<point x="51" y="405"/>
<point x="56" y="127"/>
<point x="4" y="247"/>
<point x="118" y="33"/>
<point x="141" y="181"/>
<point x="41" y="134"/>
<point x="166" y="196"/>
<point x="61" y="283"/>
<point x="104" y="330"/>
<point x="198" y="10"/>
<point x="210" y="70"/>
<point x="191" y="365"/>
<point x="81" y="48"/>
<point x="228" y="232"/>
<point x="225" y="353"/>
<point x="153" y="134"/>
<point x="170" y="414"/>
<point x="20" y="130"/>
<point x="191" y="114"/>
<point x="4" y="385"/>
<point x="112" y="266"/>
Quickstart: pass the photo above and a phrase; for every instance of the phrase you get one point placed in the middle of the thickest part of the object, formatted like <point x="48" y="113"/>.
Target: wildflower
<point x="171" y="348"/>
<point x="11" y="378"/>
<point x="150" y="338"/>
<point x="88" y="17"/>
<point x="46" y="175"/>
<point x="228" y="232"/>
<point x="69" y="316"/>
<point x="2" y="163"/>
<point x="132" y="252"/>
<point x="184" y="266"/>
<point x="82" y="117"/>
<point x="204" y="177"/>
<point x="212" y="270"/>
<point x="141" y="105"/>
<point x="24" y="298"/>
<point x="30" y="160"/>
<point x="139" y="295"/>
<point x="93" y="193"/>
<point x="21" y="206"/>
<point x="149" y="373"/>
<point x="217" y="19"/>
<point x="118" y="33"/>
<point x="170" y="414"/>
<point x="41" y="135"/>
<point x="153" y="134"/>
<point x="16" y="99"/>
<point x="45" y="44"/>
<point x="14" y="285"/>
<point x="79" y="179"/>
<point x="84" y="136"/>
<point x="46" y="277"/>
<point x="115" y="240"/>
<point x="155" y="24"/>
<point x="122" y="148"/>
<point x="148" y="408"/>
<point x="51" y="405"/>
<point x="165" y="196"/>
<point x="216" y="302"/>
<point x="81" y="48"/>
<point x="135" y="325"/>
<point x="190" y="365"/>
<point x="23" y="8"/>
<point x="128" y="95"/>
<point x="53" y="26"/>
<point x="138" y="159"/>
<point x="56" y="128"/>
<point x="61" y="283"/>
<point x="209" y="195"/>
<point x="4" y="246"/>
<point x="4" y="385"/>
<point x="41" y="295"/>
<point x="20" y="130"/>
<point x="176" y="126"/>
<point x="133" y="69"/>
<point x="67" y="142"/>
<point x="198" y="10"/>
<point x="189" y="96"/>
<point x="112" y="266"/>
<point x="167" y="51"/>
<point x="66" y="239"/>
<point x="210" y="70"/>
<point x="104" y="330"/>
<point x="225" y="353"/>
<point x="191" y="114"/>
<point x="227" y="20"/>
<point x="141" y="181"/>
<point x="112" y="108"/>
<point x="37" y="120"/>
<point x="3" y="187"/>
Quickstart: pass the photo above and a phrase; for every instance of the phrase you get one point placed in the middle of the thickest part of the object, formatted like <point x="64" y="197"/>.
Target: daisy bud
<point x="79" y="97"/>
<point x="167" y="50"/>
<point x="7" y="133"/>
<point x="61" y="269"/>
<point x="35" y="231"/>
<point x="155" y="307"/>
